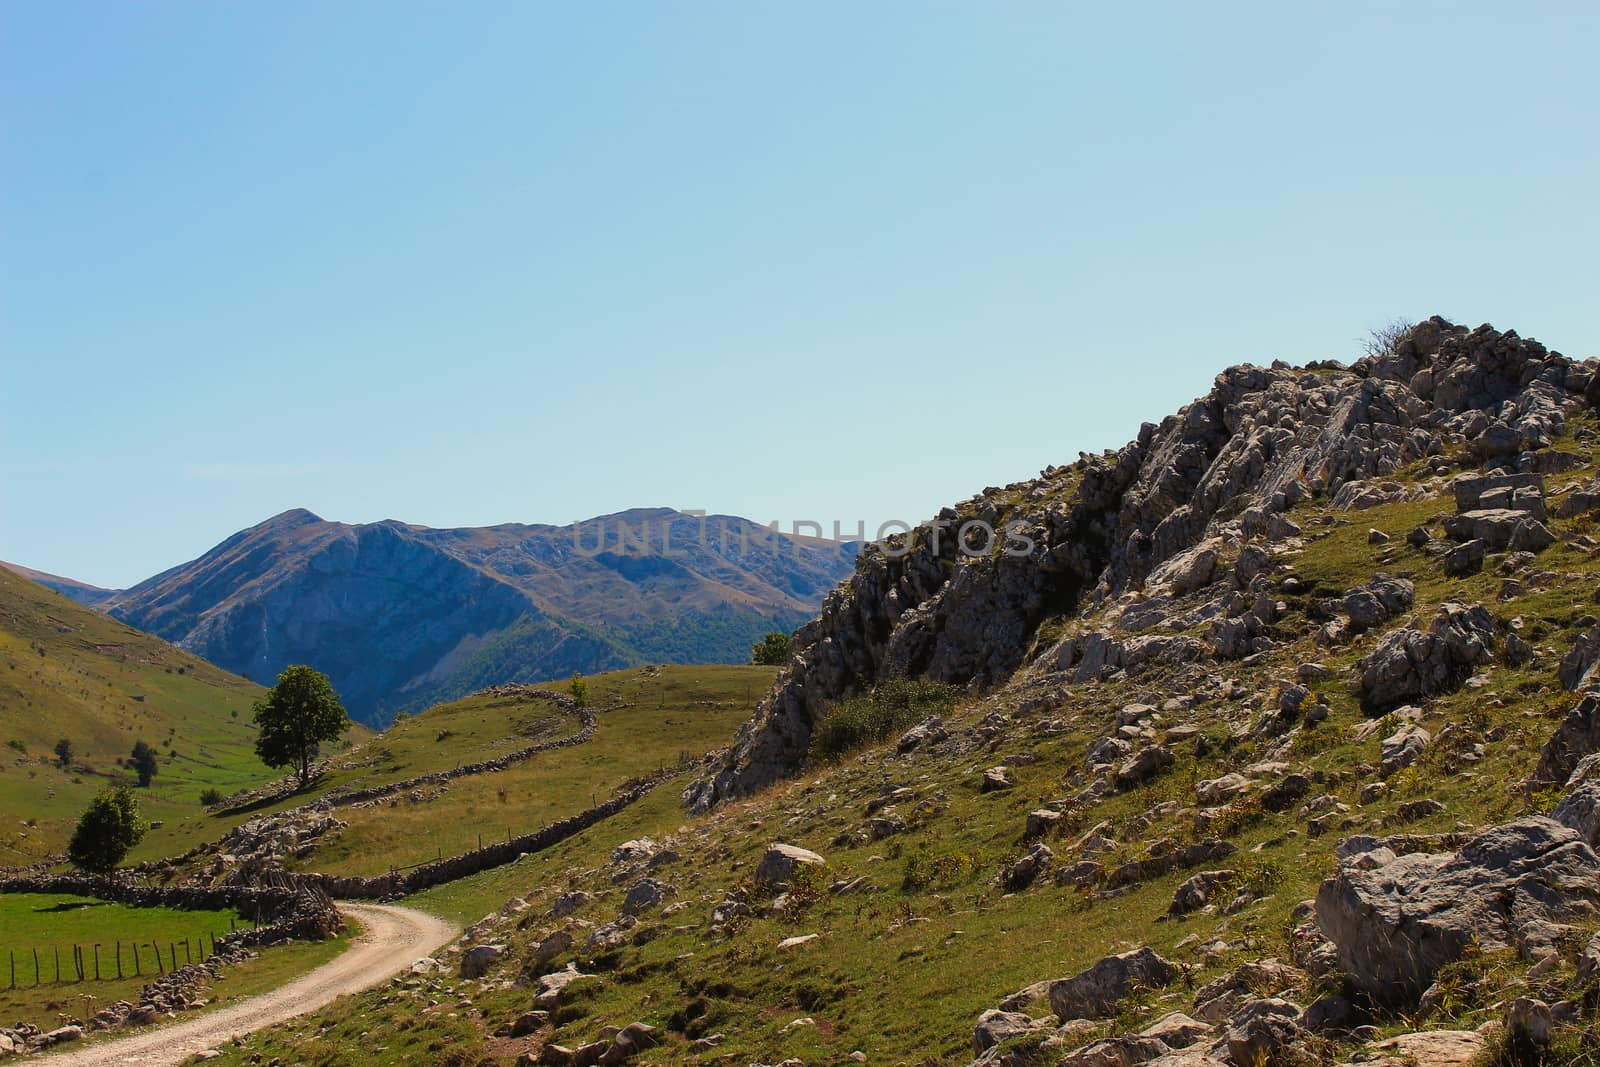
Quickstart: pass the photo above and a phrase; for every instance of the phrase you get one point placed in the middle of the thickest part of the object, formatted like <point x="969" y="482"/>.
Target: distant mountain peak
<point x="400" y="614"/>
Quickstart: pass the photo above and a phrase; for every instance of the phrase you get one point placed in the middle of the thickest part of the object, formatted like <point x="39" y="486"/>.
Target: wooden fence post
<point x="36" y="966"/>
<point x="119" y="957"/>
<point x="137" y="971"/>
<point x="158" y="956"/>
<point x="97" y="961"/>
<point x="55" y="950"/>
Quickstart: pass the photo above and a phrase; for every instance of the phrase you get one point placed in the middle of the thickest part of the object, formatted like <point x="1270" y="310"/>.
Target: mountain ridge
<point x="402" y="615"/>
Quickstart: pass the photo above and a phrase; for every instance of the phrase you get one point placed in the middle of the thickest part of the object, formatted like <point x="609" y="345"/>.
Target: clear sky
<point x="472" y="263"/>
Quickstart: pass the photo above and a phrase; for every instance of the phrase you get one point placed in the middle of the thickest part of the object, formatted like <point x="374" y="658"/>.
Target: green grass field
<point x="666" y="712"/>
<point x="51" y="925"/>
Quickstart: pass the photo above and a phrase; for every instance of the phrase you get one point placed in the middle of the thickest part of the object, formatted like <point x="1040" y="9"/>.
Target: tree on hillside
<point x="579" y="689"/>
<point x="296" y="717"/>
<point x="64" y="751"/>
<point x="772" y="650"/>
<point x="144" y="762"/>
<point x="109" y="827"/>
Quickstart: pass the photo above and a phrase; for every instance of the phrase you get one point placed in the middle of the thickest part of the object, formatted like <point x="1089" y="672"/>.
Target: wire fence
<point x="69" y="964"/>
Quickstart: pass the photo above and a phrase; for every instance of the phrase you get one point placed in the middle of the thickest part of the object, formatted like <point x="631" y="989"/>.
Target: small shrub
<point x="210" y="796"/>
<point x="891" y="707"/>
<point x="927" y="869"/>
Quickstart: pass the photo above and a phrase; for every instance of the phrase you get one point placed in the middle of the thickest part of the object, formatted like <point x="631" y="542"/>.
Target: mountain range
<point x="402" y="616"/>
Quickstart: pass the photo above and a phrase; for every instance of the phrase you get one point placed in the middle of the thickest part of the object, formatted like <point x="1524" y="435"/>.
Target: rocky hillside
<point x="1281" y="748"/>
<point x="402" y="616"/>
<point x="1118" y="538"/>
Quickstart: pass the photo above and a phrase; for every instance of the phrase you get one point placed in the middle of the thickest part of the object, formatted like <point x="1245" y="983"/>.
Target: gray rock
<point x="1577" y="736"/>
<point x="993" y="1027"/>
<point x="1412" y="664"/>
<point x="929" y="731"/>
<point x="1022" y="873"/>
<point x="567" y="903"/>
<point x="1529" y="1021"/>
<point x="1124" y="1050"/>
<point x="1579" y="808"/>
<point x="1144" y="765"/>
<point x="1265" y="1033"/>
<point x="476" y="961"/>
<point x="1041" y="821"/>
<point x="1396" y="924"/>
<point x="1176" y="1030"/>
<point x="1197" y="891"/>
<point x="1403" y="747"/>
<point x="1577" y="668"/>
<point x="1213" y="791"/>
<point x="1466" y="558"/>
<point x="646" y="895"/>
<point x="780" y="862"/>
<point x="1500" y="529"/>
<point x="1096" y="992"/>
<point x="995" y="780"/>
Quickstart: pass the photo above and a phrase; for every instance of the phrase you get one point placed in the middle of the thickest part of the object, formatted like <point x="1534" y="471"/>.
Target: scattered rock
<point x="780" y="862"/>
<point x="1096" y="992"/>
<point x="996" y="779"/>
<point x="476" y="961"/>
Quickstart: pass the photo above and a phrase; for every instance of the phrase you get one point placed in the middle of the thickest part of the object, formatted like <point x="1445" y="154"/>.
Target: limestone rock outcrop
<point x="1162" y="517"/>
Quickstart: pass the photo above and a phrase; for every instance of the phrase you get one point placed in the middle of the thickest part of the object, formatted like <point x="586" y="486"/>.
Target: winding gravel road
<point x="391" y="940"/>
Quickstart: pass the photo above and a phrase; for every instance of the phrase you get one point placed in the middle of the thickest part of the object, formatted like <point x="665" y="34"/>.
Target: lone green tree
<point x="296" y="717"/>
<point x="772" y="650"/>
<point x="109" y="827"/>
<point x="144" y="763"/>
<point x="64" y="751"/>
<point x="579" y="689"/>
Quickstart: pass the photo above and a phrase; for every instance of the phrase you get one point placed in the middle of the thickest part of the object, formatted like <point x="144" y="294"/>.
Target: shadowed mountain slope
<point x="402" y="616"/>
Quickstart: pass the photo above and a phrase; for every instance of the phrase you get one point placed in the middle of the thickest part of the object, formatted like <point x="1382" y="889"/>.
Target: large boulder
<point x="1500" y="529"/>
<point x="1396" y="920"/>
<point x="1513" y="492"/>
<point x="1096" y="992"/>
<point x="1411" y="664"/>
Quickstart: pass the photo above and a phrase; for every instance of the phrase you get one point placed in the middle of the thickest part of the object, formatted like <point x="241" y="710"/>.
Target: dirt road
<point x="391" y="940"/>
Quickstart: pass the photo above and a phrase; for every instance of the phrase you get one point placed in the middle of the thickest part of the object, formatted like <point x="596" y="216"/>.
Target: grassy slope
<point x="67" y="671"/>
<point x="902" y="973"/>
<point x="666" y="713"/>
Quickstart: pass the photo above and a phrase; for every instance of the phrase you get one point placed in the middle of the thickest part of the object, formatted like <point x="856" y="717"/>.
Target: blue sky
<point x="488" y="262"/>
